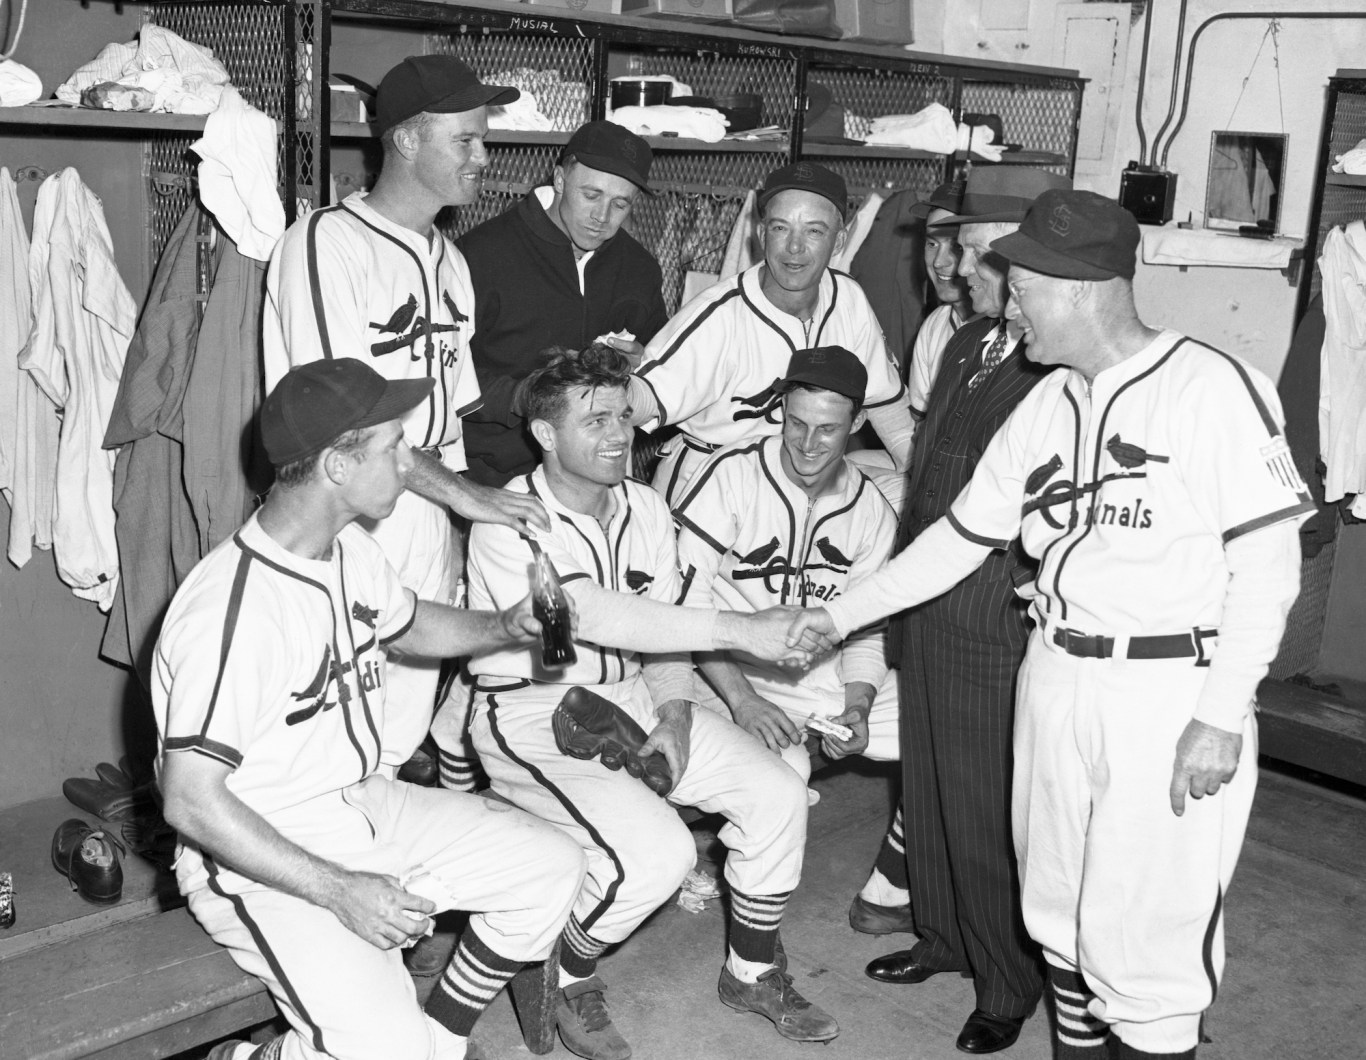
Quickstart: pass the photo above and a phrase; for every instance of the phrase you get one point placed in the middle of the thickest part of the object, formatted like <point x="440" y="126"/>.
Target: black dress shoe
<point x="89" y="858"/>
<point x="986" y="1033"/>
<point x="899" y="967"/>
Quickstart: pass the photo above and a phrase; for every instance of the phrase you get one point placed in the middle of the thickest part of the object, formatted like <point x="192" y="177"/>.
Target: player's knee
<point x="560" y="867"/>
<point x="658" y="867"/>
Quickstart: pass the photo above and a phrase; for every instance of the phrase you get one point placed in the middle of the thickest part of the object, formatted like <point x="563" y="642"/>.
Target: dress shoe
<point x="986" y="1033"/>
<point x="899" y="967"/>
<point x="89" y="858"/>
<point x="871" y="919"/>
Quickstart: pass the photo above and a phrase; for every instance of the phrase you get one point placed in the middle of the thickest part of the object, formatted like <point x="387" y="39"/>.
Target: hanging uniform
<point x="273" y="665"/>
<point x="347" y="282"/>
<point x="749" y="538"/>
<point x="712" y="368"/>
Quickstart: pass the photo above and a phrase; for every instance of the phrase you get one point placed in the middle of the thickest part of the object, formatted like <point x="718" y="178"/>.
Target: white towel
<point x="19" y="85"/>
<point x="1353" y="161"/>
<point x="1170" y="245"/>
<point x="184" y="77"/>
<point x="697" y="123"/>
<point x="238" y="181"/>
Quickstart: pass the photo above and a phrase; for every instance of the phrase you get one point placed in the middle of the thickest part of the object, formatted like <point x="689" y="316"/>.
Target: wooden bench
<point x="1314" y="729"/>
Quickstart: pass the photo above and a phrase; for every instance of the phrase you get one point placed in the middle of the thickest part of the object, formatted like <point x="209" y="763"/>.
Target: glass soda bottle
<point x="551" y="608"/>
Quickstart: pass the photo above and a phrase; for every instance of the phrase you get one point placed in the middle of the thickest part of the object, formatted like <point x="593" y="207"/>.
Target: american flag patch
<point x="1282" y="466"/>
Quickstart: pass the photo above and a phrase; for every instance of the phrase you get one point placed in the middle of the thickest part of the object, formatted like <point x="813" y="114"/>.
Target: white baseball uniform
<point x="274" y="665"/>
<point x="749" y="538"/>
<point x="638" y="850"/>
<point x="926" y="353"/>
<point x="347" y="282"/>
<point x="712" y="369"/>
<point x="1132" y="492"/>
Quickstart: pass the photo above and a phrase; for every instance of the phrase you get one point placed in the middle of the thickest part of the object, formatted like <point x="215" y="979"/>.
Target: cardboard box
<point x="875" y="20"/>
<point x="708" y="9"/>
<point x="606" y="7"/>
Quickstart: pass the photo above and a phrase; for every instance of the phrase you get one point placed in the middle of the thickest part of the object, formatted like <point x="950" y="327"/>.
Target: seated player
<point x="612" y="542"/>
<point x="789" y="520"/>
<point x="298" y="853"/>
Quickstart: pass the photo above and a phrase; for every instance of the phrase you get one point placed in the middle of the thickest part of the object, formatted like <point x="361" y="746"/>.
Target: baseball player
<point x="1153" y="482"/>
<point x="612" y="543"/>
<point x="942" y="255"/>
<point x="372" y="277"/>
<point x="298" y="852"/>
<point x="710" y="372"/>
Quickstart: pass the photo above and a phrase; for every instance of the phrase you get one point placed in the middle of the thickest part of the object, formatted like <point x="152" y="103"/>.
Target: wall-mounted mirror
<point x="1246" y="178"/>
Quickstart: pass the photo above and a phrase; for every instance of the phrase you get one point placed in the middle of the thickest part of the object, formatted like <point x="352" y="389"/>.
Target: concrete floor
<point x="1292" y="990"/>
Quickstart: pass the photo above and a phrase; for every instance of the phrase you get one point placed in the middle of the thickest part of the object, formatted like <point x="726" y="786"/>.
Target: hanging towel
<point x="238" y="177"/>
<point x="83" y="319"/>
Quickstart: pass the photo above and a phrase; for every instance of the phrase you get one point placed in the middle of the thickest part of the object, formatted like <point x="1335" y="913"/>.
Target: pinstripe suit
<point x="958" y="657"/>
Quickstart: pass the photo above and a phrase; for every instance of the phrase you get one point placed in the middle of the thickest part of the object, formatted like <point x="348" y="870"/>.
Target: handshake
<point x="794" y="637"/>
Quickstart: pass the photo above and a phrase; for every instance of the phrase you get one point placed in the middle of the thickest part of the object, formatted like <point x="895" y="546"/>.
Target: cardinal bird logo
<point x="761" y="406"/>
<point x="364" y="614"/>
<point x="1039" y="477"/>
<point x="1129" y="455"/>
<point x="456" y="315"/>
<point x="402" y="317"/>
<point x="638" y="581"/>
<point x="762" y="554"/>
<point x="834" y="559"/>
<point x="315" y="692"/>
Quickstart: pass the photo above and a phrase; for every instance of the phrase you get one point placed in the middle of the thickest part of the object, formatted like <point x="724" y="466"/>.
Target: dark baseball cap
<point x="806" y="176"/>
<point x="1078" y="235"/>
<point x="612" y="148"/>
<point x="440" y="84"/>
<point x="1003" y="193"/>
<point x="316" y="403"/>
<point x="948" y="196"/>
<point x="827" y="368"/>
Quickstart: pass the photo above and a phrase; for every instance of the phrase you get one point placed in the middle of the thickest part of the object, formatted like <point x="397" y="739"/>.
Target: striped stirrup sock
<point x="579" y="951"/>
<point x="457" y="773"/>
<point x="471" y="981"/>
<point x="1080" y="1035"/>
<point x="891" y="856"/>
<point x="754" y="924"/>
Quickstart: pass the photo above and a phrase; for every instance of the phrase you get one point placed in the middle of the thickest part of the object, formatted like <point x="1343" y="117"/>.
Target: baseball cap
<point x="441" y="84"/>
<point x="806" y="176"/>
<point x="612" y="148"/>
<point x="828" y="368"/>
<point x="948" y="196"/>
<point x="316" y="403"/>
<point x="1078" y="235"/>
<point x="1003" y="193"/>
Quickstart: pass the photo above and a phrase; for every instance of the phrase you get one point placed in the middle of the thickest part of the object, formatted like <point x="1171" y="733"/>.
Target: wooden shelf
<point x="1012" y="158"/>
<point x="1350" y="180"/>
<point x="101" y="120"/>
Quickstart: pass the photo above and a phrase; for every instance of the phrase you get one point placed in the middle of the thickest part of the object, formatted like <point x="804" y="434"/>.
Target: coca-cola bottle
<point x="551" y="608"/>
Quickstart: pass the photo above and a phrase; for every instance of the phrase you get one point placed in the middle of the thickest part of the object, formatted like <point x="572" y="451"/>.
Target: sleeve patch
<point x="1282" y="465"/>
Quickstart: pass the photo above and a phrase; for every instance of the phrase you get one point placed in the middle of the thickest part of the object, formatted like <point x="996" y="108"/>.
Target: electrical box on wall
<point x="1148" y="193"/>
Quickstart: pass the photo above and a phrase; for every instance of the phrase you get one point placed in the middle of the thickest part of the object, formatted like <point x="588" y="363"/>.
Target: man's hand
<point x="766" y="722"/>
<point x="633" y="348"/>
<point x="858" y="703"/>
<point x="520" y="624"/>
<point x="376" y="908"/>
<point x="811" y="628"/>
<point x="671" y="737"/>
<point x="484" y="504"/>
<point x="1206" y="757"/>
<point x="764" y="635"/>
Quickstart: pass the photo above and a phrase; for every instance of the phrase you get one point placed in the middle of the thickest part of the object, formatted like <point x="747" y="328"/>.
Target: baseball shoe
<point x="775" y="998"/>
<point x="871" y="919"/>
<point x="585" y="1025"/>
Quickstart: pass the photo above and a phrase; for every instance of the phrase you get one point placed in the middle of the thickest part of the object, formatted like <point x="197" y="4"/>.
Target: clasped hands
<point x="796" y="638"/>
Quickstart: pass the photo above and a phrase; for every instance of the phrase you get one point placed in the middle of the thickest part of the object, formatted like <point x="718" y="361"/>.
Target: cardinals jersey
<point x="750" y="538"/>
<point x="347" y="282"/>
<point x="712" y="369"/>
<point x="273" y="665"/>
<point x="635" y="553"/>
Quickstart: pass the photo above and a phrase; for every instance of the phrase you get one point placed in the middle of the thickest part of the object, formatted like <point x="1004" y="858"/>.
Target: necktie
<point x="990" y="359"/>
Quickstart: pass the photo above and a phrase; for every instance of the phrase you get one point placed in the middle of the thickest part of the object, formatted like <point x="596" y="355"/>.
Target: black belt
<point x="1168" y="646"/>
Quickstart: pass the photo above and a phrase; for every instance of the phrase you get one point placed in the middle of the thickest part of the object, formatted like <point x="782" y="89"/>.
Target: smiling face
<point x="816" y="429"/>
<point x="590" y="445"/>
<point x="590" y="205"/>
<point x="942" y="254"/>
<point x="1040" y="305"/>
<point x="983" y="268"/>
<point x="799" y="233"/>
<point x="450" y="158"/>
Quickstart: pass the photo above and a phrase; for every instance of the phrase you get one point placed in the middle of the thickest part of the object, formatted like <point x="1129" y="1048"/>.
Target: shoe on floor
<point x="986" y="1033"/>
<point x="89" y="858"/>
<point x="899" y="967"/>
<point x="584" y="1023"/>
<point x="775" y="998"/>
<point x="871" y="919"/>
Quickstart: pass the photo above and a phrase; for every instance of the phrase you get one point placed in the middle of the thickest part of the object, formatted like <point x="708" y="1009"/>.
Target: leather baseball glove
<point x="588" y="726"/>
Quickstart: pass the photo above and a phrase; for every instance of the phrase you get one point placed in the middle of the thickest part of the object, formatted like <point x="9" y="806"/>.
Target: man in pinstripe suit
<point x="959" y="655"/>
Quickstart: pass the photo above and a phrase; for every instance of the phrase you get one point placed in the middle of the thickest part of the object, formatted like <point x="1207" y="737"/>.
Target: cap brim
<point x="475" y="96"/>
<point x="765" y="196"/>
<point x="400" y="396"/>
<point x="1001" y="216"/>
<point x="1020" y="249"/>
<point x="615" y="166"/>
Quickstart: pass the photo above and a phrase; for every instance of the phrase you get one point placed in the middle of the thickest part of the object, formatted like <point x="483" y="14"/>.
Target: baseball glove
<point x="588" y="726"/>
